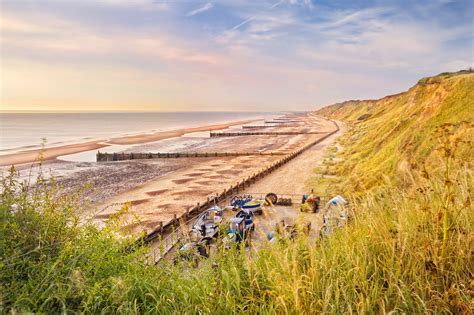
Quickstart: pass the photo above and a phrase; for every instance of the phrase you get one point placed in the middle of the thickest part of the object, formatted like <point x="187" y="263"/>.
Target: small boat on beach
<point x="254" y="206"/>
<point x="207" y="224"/>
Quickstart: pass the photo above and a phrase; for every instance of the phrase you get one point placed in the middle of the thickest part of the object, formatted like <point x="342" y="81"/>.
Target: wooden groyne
<point x="286" y="119"/>
<point x="109" y="157"/>
<point x="263" y="133"/>
<point x="283" y="121"/>
<point x="190" y="214"/>
<point x="259" y="127"/>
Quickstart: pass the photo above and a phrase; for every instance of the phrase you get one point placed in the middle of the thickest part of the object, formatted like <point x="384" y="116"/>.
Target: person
<point x="303" y="203"/>
<point x="270" y="237"/>
<point x="304" y="199"/>
<point x="316" y="203"/>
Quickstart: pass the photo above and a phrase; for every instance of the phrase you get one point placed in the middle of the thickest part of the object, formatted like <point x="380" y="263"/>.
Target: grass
<point x="408" y="248"/>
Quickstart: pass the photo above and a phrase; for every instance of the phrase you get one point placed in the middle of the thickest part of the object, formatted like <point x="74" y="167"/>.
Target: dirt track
<point x="291" y="179"/>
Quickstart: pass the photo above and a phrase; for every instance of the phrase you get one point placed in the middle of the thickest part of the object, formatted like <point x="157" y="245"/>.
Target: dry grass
<point x="408" y="248"/>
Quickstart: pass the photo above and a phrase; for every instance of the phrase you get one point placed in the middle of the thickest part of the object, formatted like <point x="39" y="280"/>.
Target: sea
<point x="24" y="131"/>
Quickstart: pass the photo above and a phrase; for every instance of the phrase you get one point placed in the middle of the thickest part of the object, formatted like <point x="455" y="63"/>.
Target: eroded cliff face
<point x="398" y="134"/>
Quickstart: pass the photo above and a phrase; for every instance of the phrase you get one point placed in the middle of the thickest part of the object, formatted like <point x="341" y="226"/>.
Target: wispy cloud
<point x="255" y="16"/>
<point x="237" y="26"/>
<point x="201" y="9"/>
<point x="63" y="38"/>
<point x="266" y="54"/>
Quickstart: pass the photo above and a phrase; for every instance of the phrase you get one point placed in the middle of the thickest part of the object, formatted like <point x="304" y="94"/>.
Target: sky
<point x="229" y="55"/>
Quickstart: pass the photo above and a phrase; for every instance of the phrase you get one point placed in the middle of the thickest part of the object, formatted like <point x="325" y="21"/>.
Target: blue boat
<point x="254" y="206"/>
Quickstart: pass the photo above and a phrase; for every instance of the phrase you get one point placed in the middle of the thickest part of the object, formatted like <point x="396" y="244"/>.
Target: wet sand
<point x="156" y="191"/>
<point x="160" y="200"/>
<point x="52" y="153"/>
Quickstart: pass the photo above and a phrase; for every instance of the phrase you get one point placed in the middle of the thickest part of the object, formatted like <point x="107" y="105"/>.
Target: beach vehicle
<point x="203" y="233"/>
<point x="240" y="228"/>
<point x="207" y="224"/>
<point x="335" y="215"/>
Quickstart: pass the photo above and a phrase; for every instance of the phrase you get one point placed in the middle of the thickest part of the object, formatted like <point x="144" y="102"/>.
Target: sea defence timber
<point x="259" y="127"/>
<point x="263" y="133"/>
<point x="165" y="228"/>
<point x="283" y="121"/>
<point x="110" y="157"/>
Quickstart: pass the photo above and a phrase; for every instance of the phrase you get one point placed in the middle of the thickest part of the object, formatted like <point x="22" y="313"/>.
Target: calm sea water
<point x="19" y="131"/>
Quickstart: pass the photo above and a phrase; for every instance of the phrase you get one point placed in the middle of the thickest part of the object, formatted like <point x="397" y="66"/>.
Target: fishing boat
<point x="207" y="224"/>
<point x="254" y="206"/>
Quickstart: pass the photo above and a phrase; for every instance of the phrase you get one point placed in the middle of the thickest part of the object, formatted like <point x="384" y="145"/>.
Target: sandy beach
<point x="158" y="190"/>
<point x="51" y="153"/>
<point x="194" y="180"/>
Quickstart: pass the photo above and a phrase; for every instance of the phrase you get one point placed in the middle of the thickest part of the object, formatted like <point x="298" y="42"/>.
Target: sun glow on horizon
<point x="238" y="55"/>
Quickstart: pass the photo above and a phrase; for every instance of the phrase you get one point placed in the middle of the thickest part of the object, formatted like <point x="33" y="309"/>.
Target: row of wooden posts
<point x="193" y="212"/>
<point x="282" y="121"/>
<point x="286" y="119"/>
<point x="262" y="126"/>
<point x="263" y="133"/>
<point x="109" y="157"/>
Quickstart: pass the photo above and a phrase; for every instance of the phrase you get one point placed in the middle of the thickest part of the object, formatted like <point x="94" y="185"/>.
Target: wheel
<point x="271" y="198"/>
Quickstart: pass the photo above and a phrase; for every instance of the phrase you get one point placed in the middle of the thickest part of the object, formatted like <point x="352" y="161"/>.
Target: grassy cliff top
<point x="398" y="134"/>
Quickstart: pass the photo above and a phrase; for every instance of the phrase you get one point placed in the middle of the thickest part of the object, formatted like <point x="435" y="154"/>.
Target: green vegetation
<point x="399" y="136"/>
<point x="407" y="169"/>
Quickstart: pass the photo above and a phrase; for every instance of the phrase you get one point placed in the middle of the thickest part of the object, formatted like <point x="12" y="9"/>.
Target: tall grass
<point x="392" y="257"/>
<point x="408" y="248"/>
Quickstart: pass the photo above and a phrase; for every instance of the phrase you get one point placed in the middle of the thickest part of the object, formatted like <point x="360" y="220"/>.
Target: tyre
<point x="272" y="198"/>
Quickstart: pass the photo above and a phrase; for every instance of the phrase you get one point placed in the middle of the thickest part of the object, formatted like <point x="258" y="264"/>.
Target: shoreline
<point x="51" y="153"/>
<point x="194" y="180"/>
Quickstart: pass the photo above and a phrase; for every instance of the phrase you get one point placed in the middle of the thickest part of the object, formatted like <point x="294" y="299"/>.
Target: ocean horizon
<point x="30" y="130"/>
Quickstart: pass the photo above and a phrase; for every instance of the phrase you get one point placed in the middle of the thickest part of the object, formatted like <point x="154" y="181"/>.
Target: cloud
<point x="355" y="17"/>
<point x="46" y="36"/>
<point x="304" y="3"/>
<point x="256" y="15"/>
<point x="251" y="55"/>
<point x="200" y="10"/>
<point x="237" y="26"/>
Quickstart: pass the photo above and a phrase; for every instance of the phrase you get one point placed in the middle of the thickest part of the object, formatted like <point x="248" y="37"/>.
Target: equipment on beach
<point x="240" y="229"/>
<point x="202" y="234"/>
<point x="310" y="203"/>
<point x="254" y="206"/>
<point x="335" y="215"/>
<point x="207" y="224"/>
<point x="284" y="202"/>
<point x="271" y="199"/>
<point x="238" y="201"/>
<point x="194" y="251"/>
<point x="246" y="202"/>
<point x="290" y="229"/>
